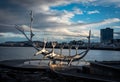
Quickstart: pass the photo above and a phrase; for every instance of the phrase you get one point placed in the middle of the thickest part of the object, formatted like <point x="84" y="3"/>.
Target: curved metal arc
<point x="42" y="51"/>
<point x="52" y="55"/>
<point x="88" y="48"/>
<point x="71" y="58"/>
<point x="22" y="31"/>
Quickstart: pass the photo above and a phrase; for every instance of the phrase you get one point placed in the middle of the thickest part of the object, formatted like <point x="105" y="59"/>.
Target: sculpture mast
<point x="31" y="23"/>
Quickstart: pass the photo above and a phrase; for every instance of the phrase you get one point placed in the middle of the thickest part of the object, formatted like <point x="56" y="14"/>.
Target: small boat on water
<point x="85" y="73"/>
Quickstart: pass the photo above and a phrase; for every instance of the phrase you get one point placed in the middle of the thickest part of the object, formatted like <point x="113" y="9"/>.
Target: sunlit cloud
<point x="27" y="28"/>
<point x="104" y="22"/>
<point x="93" y="12"/>
<point x="54" y="17"/>
<point x="11" y="35"/>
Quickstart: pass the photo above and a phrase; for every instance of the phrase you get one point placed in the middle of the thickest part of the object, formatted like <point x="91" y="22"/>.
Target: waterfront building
<point x="106" y="35"/>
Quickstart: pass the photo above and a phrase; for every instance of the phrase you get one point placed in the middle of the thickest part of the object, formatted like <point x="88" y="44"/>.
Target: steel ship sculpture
<point x="90" y="71"/>
<point x="51" y="54"/>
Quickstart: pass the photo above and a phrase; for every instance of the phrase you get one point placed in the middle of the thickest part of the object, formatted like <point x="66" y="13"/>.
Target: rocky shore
<point x="8" y="75"/>
<point x="22" y="71"/>
<point x="11" y="71"/>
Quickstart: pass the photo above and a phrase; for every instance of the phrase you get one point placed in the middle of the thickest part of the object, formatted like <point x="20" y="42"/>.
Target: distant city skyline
<point x="61" y="20"/>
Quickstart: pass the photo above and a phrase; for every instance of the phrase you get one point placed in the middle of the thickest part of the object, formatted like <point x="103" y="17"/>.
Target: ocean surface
<point x="8" y="53"/>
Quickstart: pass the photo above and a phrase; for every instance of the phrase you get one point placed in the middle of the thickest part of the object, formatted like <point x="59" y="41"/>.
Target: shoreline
<point x="14" y="70"/>
<point x="111" y="49"/>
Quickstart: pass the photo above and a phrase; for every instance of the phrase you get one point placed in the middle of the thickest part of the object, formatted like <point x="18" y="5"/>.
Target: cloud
<point x="104" y="22"/>
<point x="93" y="25"/>
<point x="80" y="21"/>
<point x="47" y="19"/>
<point x="63" y="18"/>
<point x="6" y="16"/>
<point x="64" y="32"/>
<point x="93" y="12"/>
<point x="43" y="5"/>
<point x="81" y="29"/>
<point x="117" y="35"/>
<point x="75" y="30"/>
<point x="117" y="27"/>
<point x="27" y="28"/>
<point x="44" y="16"/>
<point x="11" y="35"/>
<point x="115" y="3"/>
<point x="77" y="11"/>
<point x="108" y="21"/>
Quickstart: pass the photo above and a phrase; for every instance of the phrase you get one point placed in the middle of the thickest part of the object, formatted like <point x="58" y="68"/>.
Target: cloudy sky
<point x="62" y="20"/>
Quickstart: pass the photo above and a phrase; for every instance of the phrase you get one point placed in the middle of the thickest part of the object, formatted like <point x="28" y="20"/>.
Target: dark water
<point x="9" y="75"/>
<point x="27" y="52"/>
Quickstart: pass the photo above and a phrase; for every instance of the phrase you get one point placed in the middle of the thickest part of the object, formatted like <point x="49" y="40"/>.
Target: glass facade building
<point x="106" y="35"/>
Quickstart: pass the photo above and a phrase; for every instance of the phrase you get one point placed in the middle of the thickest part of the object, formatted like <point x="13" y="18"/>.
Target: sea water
<point x="8" y="53"/>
